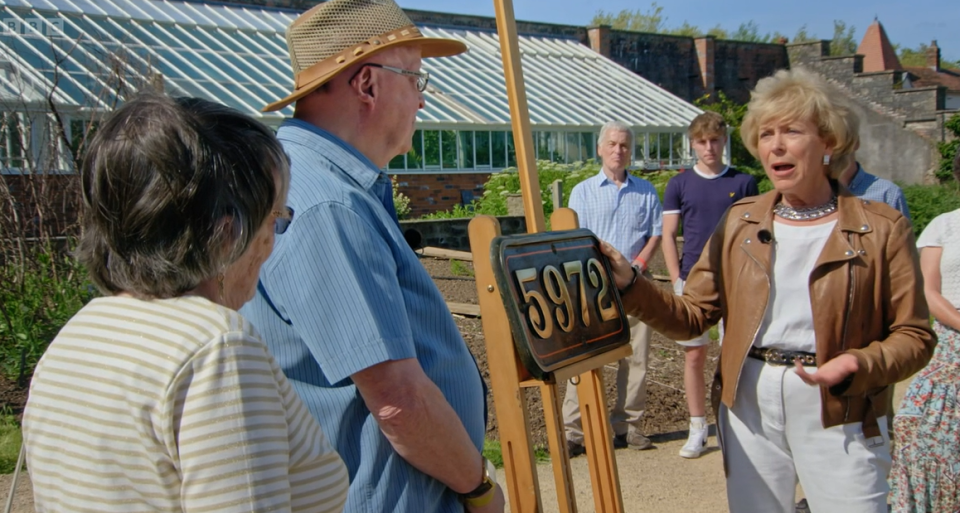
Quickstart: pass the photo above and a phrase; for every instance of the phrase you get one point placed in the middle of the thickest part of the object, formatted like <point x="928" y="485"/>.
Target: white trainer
<point x="696" y="443"/>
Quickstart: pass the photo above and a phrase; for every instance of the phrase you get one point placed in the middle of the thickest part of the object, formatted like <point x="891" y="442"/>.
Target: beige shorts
<point x="702" y="340"/>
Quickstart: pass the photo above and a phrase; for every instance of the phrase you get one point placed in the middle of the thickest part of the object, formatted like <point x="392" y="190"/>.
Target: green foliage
<point x="948" y="151"/>
<point x="458" y="268"/>
<point x="929" y="201"/>
<point x="637" y="21"/>
<point x="500" y="185"/>
<point x="843" y="42"/>
<point x="10" y="440"/>
<point x="37" y="297"/>
<point x="917" y="57"/>
<point x="400" y="202"/>
<point x="493" y="452"/>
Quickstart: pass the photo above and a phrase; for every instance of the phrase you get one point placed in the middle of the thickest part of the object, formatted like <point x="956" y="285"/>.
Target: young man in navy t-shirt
<point x="697" y="199"/>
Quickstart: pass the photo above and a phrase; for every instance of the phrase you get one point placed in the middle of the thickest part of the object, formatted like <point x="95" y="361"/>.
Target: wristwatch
<point x="636" y="274"/>
<point x="479" y="493"/>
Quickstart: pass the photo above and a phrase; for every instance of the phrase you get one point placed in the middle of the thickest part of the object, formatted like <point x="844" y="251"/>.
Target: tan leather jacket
<point x="866" y="292"/>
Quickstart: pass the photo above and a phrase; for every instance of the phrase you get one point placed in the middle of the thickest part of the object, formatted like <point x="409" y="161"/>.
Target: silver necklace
<point x="805" y="213"/>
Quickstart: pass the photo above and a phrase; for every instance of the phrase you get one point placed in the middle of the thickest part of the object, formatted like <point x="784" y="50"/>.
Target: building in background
<point x="85" y="55"/>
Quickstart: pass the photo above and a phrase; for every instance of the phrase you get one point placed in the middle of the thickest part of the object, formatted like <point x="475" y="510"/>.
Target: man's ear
<point x="364" y="83"/>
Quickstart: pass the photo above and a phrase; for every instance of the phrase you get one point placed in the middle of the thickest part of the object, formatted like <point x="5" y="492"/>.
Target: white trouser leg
<point x="761" y="477"/>
<point x="840" y="470"/>
<point x="774" y="433"/>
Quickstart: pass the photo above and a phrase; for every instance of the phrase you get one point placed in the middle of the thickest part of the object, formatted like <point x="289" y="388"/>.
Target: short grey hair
<point x="616" y="126"/>
<point x="173" y="192"/>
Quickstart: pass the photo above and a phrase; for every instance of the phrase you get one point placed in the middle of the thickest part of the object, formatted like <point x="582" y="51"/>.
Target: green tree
<point x="843" y="42"/>
<point x="917" y="57"/>
<point x="948" y="150"/>
<point x="639" y="21"/>
<point x="750" y="32"/>
<point x="803" y="35"/>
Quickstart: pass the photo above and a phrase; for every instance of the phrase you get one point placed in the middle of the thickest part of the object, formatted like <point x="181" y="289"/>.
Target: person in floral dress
<point x="926" y="464"/>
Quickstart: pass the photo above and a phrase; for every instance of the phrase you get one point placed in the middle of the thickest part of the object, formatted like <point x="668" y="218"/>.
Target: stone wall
<point x="452" y="233"/>
<point x="739" y="65"/>
<point x="437" y="192"/>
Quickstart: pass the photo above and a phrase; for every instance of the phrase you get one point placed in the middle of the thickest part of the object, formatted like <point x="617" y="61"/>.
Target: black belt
<point x="775" y="356"/>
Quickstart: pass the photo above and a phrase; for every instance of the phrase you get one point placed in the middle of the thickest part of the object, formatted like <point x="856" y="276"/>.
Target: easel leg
<point x="557" y="439"/>
<point x="598" y="439"/>
<point x="522" y="486"/>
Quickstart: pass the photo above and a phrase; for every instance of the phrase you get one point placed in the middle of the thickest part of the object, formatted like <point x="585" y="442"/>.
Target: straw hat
<point x="338" y="33"/>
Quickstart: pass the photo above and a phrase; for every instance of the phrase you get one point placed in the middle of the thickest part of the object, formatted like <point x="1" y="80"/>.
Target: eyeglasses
<point x="283" y="219"/>
<point x="422" y="76"/>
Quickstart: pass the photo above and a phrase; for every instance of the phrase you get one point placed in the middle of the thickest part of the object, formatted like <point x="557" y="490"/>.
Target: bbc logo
<point x="32" y="26"/>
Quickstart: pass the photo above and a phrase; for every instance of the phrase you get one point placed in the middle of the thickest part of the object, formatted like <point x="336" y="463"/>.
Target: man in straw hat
<point x="347" y="309"/>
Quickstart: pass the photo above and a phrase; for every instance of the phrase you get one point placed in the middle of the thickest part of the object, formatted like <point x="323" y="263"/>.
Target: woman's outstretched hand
<point x="830" y="373"/>
<point x="621" y="267"/>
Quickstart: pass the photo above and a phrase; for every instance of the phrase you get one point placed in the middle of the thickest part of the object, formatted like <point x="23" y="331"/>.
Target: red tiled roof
<point x="928" y="77"/>
<point x="878" y="53"/>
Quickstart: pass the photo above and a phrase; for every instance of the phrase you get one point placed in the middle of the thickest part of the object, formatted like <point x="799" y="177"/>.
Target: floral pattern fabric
<point x="925" y="477"/>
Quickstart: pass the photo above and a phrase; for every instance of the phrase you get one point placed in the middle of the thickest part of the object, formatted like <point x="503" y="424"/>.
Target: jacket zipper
<point x="846" y="320"/>
<point x="743" y="362"/>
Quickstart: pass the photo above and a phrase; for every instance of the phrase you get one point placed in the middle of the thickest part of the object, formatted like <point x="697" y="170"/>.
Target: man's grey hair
<point x="616" y="126"/>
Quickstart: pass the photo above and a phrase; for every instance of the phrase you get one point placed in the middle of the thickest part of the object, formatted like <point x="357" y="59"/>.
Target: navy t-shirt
<point x="701" y="202"/>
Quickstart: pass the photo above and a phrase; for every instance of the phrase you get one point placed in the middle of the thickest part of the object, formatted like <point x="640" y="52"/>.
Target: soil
<point x="666" y="410"/>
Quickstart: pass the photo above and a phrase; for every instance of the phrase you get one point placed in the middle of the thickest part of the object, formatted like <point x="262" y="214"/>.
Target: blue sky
<point x="908" y="23"/>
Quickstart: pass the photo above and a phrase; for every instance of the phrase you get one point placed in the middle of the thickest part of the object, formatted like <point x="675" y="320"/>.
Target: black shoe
<point x="802" y="506"/>
<point x="574" y="449"/>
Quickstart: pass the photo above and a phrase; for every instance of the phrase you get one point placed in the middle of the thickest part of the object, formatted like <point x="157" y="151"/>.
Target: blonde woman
<point x="821" y="297"/>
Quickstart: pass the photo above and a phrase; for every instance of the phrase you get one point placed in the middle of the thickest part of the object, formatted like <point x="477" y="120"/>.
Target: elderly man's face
<point x="615" y="150"/>
<point x="400" y="100"/>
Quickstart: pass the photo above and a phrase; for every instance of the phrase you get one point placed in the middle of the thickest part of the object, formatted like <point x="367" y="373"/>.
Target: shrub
<point x="929" y="201"/>
<point x="948" y="151"/>
<point x="400" y="202"/>
<point x="37" y="297"/>
<point x="499" y="185"/>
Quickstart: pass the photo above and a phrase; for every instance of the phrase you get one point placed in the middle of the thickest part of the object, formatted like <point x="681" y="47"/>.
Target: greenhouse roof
<point x="237" y="55"/>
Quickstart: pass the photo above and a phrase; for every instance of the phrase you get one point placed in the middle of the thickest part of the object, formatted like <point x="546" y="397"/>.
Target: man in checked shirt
<point x="624" y="211"/>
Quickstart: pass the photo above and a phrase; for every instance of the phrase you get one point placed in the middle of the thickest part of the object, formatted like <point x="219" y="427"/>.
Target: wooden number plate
<point x="560" y="297"/>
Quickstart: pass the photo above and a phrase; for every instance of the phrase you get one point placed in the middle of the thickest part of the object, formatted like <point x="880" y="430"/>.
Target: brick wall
<point x="433" y="193"/>
<point x="739" y="65"/>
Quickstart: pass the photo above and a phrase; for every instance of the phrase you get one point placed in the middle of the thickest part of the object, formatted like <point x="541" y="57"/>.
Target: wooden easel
<point x="507" y="374"/>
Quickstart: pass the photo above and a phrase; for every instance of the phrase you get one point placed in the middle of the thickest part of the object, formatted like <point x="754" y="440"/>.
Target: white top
<point x="944" y="232"/>
<point x="788" y="322"/>
<point x="172" y="405"/>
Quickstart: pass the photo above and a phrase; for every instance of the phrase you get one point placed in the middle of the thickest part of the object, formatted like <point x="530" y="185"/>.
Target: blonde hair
<point x="798" y="94"/>
<point x="708" y="124"/>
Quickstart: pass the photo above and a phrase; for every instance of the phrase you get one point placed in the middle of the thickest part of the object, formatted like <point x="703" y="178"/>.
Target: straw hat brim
<point x="430" y="47"/>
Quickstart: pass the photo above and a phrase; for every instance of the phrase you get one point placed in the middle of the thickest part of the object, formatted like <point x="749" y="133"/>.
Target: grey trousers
<point x="631" y="388"/>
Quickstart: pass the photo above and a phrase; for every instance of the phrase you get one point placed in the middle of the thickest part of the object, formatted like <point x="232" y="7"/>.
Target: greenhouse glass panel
<point x="664" y="146"/>
<point x="572" y="153"/>
<point x="499" y="144"/>
<point x="448" y="149"/>
<point x="466" y="149"/>
<point x="398" y="162"/>
<point x="511" y="151"/>
<point x="431" y="148"/>
<point x="175" y="61"/>
<point x="588" y="150"/>
<point x="229" y="40"/>
<point x="414" y="156"/>
<point x="542" y="142"/>
<point x="483" y="149"/>
<point x="162" y="35"/>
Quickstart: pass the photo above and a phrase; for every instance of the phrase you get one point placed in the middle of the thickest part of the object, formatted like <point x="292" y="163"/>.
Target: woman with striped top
<point x="160" y="396"/>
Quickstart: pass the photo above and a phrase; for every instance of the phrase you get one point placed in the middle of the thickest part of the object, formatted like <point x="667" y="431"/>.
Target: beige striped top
<point x="172" y="405"/>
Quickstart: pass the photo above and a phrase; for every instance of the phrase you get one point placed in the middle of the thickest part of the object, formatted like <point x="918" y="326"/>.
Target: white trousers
<point x="773" y="436"/>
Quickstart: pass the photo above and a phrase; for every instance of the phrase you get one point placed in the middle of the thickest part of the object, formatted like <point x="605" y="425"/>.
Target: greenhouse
<point x="80" y="55"/>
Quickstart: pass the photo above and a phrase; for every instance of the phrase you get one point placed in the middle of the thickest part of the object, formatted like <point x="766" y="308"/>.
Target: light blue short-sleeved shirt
<point x="626" y="217"/>
<point x="342" y="292"/>
<point x="870" y="187"/>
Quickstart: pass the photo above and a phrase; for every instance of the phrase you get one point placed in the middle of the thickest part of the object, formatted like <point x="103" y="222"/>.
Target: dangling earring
<point x="826" y="159"/>
<point x="220" y="278"/>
